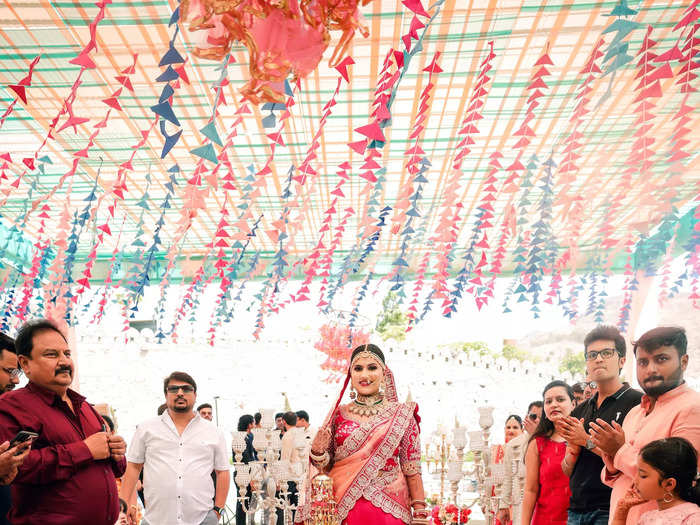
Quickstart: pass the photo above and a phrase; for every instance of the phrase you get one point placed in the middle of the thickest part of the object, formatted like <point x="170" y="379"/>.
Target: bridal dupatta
<point x="372" y="461"/>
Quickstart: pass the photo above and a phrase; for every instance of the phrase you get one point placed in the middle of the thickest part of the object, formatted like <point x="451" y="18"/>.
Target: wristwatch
<point x="589" y="444"/>
<point x="218" y="510"/>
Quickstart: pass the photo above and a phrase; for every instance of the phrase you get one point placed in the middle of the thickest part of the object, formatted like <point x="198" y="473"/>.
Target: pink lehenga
<point x="369" y="461"/>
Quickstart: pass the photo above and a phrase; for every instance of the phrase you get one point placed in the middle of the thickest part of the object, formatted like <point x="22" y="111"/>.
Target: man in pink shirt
<point x="668" y="408"/>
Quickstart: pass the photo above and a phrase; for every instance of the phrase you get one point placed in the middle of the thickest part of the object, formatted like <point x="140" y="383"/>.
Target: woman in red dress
<point x="370" y="448"/>
<point x="547" y="493"/>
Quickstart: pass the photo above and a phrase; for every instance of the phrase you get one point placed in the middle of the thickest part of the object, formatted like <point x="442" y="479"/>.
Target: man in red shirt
<point x="68" y="478"/>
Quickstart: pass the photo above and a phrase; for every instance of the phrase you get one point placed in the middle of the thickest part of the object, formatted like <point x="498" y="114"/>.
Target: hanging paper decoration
<point x="283" y="40"/>
<point x="616" y="55"/>
<point x="489" y="212"/>
<point x="406" y="207"/>
<point x="447" y="230"/>
<point x="337" y="340"/>
<point x="567" y="172"/>
<point x="171" y="77"/>
<point x="483" y="215"/>
<point x="20" y="90"/>
<point x="85" y="62"/>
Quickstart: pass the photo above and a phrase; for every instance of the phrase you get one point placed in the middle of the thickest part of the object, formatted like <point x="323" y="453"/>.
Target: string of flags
<point x="67" y="258"/>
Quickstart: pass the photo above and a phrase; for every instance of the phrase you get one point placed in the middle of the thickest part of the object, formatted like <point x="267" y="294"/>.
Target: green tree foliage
<point x="392" y="322"/>
<point x="475" y="346"/>
<point x="513" y="352"/>
<point x="508" y="351"/>
<point x="573" y="362"/>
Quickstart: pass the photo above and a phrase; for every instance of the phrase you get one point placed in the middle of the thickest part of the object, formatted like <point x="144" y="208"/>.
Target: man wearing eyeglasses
<point x="9" y="458"/>
<point x="9" y="369"/>
<point x="69" y="476"/>
<point x="605" y="354"/>
<point x="178" y="452"/>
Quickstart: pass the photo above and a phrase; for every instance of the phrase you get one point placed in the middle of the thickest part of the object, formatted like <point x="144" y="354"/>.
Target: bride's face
<point x="366" y="375"/>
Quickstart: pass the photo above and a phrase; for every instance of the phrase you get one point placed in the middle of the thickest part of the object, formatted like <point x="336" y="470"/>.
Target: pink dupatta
<point x="357" y="468"/>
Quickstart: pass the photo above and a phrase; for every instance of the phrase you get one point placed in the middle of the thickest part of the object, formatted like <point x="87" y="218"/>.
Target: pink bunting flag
<point x="416" y="6"/>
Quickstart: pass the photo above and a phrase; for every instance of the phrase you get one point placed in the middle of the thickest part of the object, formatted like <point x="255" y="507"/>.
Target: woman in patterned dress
<point x="370" y="448"/>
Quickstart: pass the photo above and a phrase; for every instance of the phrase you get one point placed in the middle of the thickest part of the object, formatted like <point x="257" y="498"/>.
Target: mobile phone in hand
<point x="22" y="436"/>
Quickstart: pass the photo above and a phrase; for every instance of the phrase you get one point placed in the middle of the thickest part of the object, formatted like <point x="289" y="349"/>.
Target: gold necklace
<point x="367" y="406"/>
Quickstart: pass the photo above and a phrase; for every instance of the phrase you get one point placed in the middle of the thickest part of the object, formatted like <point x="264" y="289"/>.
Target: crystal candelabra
<point x="268" y="476"/>
<point x="455" y="469"/>
<point x="437" y="454"/>
<point x="483" y="468"/>
<point x="446" y="454"/>
<point x="447" y="457"/>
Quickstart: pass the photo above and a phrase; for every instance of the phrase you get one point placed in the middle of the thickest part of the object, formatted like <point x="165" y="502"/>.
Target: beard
<point x="177" y="407"/>
<point x="5" y="389"/>
<point x="667" y="384"/>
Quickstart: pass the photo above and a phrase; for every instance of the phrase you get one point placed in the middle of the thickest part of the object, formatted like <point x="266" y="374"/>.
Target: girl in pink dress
<point x="370" y="448"/>
<point x="667" y="473"/>
<point x="547" y="493"/>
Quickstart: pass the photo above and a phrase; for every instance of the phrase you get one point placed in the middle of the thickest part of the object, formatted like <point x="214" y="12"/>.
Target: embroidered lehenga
<point x="368" y="462"/>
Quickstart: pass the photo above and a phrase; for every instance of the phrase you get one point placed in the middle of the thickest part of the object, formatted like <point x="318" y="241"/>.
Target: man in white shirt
<point x="289" y="450"/>
<point x="178" y="451"/>
<point x="290" y="453"/>
<point x="309" y="433"/>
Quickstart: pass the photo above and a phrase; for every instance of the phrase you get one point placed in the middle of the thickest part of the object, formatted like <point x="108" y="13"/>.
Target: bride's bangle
<point x="317" y="457"/>
<point x="321" y="459"/>
<point x="418" y="501"/>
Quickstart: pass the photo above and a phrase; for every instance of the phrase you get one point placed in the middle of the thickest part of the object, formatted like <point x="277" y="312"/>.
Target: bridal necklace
<point x="367" y="406"/>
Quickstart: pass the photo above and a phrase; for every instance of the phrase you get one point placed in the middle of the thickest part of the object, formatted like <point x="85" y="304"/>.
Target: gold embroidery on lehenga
<point x="363" y="484"/>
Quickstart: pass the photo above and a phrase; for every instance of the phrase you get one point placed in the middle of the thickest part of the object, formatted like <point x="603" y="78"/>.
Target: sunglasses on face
<point x="589" y="384"/>
<point x="186" y="389"/>
<point x="12" y="372"/>
<point x="605" y="353"/>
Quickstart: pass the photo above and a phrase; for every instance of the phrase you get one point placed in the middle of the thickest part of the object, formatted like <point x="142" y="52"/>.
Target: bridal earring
<point x="353" y="394"/>
<point x="381" y="388"/>
<point x="670" y="497"/>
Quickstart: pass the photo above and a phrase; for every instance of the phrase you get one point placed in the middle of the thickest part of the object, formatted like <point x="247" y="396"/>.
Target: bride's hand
<point x="322" y="441"/>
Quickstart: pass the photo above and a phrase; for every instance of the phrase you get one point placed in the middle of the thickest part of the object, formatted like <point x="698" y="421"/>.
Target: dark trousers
<point x="240" y="513"/>
<point x="5" y="504"/>
<point x="292" y="497"/>
<point x="593" y="517"/>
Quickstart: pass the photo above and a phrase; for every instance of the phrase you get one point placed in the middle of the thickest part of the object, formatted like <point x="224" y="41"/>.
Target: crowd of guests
<point x="62" y="463"/>
<point x="293" y="428"/>
<point x="597" y="453"/>
<point x="604" y="453"/>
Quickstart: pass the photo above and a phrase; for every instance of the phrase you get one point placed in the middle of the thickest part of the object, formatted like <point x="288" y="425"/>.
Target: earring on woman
<point x="670" y="497"/>
<point x="353" y="394"/>
<point x="381" y="388"/>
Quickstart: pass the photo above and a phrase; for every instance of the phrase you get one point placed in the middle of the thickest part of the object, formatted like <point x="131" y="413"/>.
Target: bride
<point x="370" y="448"/>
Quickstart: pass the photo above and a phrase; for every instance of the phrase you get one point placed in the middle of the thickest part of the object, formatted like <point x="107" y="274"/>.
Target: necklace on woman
<point x="367" y="406"/>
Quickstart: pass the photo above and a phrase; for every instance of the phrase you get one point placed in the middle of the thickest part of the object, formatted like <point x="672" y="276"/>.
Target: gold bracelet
<point x="317" y="457"/>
